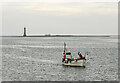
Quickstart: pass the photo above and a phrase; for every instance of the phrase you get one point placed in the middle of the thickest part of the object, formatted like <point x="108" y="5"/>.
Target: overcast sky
<point x="60" y="18"/>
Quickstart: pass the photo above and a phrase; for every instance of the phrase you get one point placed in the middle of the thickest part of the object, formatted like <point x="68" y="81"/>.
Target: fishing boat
<point x="67" y="59"/>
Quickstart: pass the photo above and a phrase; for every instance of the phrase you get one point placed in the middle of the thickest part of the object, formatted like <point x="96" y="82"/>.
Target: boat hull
<point x="78" y="63"/>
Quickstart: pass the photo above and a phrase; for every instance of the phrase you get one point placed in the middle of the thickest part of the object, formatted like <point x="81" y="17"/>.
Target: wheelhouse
<point x="68" y="55"/>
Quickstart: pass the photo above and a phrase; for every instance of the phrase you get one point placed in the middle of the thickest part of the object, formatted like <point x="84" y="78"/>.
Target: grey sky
<point x="60" y="18"/>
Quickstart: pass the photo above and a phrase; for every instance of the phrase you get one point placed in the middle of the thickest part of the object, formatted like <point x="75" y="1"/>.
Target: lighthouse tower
<point x="24" y="35"/>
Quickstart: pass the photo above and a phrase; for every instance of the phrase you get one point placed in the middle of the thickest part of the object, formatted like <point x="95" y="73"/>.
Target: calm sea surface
<point x="39" y="58"/>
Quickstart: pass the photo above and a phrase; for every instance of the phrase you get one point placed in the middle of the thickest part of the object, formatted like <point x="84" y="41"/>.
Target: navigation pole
<point x="24" y="35"/>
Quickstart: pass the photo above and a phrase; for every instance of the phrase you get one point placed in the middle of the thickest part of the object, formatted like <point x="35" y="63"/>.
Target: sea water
<point x="40" y="58"/>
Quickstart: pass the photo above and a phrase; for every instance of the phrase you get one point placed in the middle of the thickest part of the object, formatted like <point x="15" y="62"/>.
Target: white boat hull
<point x="79" y="63"/>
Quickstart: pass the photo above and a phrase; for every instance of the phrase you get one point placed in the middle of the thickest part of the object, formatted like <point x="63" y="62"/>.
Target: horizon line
<point x="64" y="34"/>
<point x="61" y="35"/>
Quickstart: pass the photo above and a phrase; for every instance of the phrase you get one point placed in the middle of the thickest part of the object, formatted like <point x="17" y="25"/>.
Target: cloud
<point x="68" y="8"/>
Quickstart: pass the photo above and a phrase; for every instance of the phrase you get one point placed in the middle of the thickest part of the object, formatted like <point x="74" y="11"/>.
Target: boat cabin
<point x="68" y="55"/>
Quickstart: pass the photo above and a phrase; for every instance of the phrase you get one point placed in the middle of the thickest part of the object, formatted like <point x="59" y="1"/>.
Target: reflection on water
<point x="31" y="59"/>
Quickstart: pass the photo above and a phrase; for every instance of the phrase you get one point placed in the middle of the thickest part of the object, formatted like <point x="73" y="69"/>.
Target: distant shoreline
<point x="60" y="36"/>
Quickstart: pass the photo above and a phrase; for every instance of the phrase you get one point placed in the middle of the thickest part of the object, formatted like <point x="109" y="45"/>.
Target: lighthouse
<point x="24" y="35"/>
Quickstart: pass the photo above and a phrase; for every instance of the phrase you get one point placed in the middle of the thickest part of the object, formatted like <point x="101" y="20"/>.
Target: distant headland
<point x="49" y="35"/>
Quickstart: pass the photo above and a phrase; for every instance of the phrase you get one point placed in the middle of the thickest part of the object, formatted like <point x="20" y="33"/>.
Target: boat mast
<point x="64" y="47"/>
